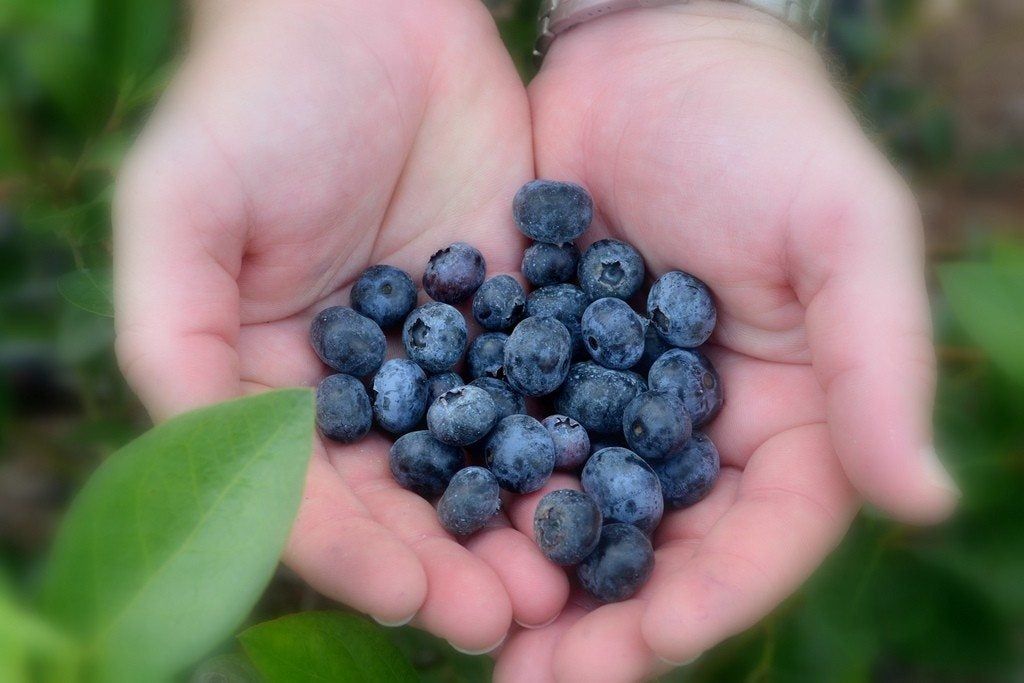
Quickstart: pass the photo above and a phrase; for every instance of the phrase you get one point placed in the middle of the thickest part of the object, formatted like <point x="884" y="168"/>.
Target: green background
<point x="938" y="84"/>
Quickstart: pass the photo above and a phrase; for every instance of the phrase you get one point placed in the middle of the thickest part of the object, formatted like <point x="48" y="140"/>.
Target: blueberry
<point x="521" y="454"/>
<point x="462" y="416"/>
<point x="572" y="444"/>
<point x="439" y="384"/>
<point x="620" y="566"/>
<point x="500" y="303"/>
<point x="595" y="396"/>
<point x="537" y="356"/>
<point x="681" y="309"/>
<point x="613" y="333"/>
<point x="486" y="355"/>
<point x="435" y="336"/>
<point x="552" y="211"/>
<point x="454" y="273"/>
<point x="422" y="464"/>
<point x="348" y="342"/>
<point x="610" y="268"/>
<point x="384" y="294"/>
<point x="343" y="410"/>
<point x="549" y="264"/>
<point x="565" y="303"/>
<point x="506" y="400"/>
<point x="693" y="378"/>
<point x="656" y="424"/>
<point x="566" y="526"/>
<point x="688" y="475"/>
<point x="625" y="488"/>
<point x="469" y="502"/>
<point x="654" y="348"/>
<point x="399" y="393"/>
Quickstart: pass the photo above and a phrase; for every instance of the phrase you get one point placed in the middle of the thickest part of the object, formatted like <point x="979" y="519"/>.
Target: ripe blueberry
<point x="620" y="566"/>
<point x="399" y="393"/>
<point x="469" y="502"/>
<point x="681" y="309"/>
<point x="691" y="376"/>
<point x="549" y="264"/>
<point x="439" y="384"/>
<point x="572" y="444"/>
<point x="435" y="336"/>
<point x="462" y="416"/>
<point x="537" y="356"/>
<point x="506" y="400"/>
<point x="566" y="526"/>
<point x="656" y="424"/>
<point x="521" y="454"/>
<point x="565" y="303"/>
<point x="595" y="396"/>
<point x="610" y="268"/>
<point x="348" y="342"/>
<point x="624" y="487"/>
<point x="384" y="294"/>
<point x="422" y="464"/>
<point x="343" y="410"/>
<point x="552" y="211"/>
<point x="613" y="333"/>
<point x="500" y="303"/>
<point x="454" y="273"/>
<point x="689" y="474"/>
<point x="486" y="355"/>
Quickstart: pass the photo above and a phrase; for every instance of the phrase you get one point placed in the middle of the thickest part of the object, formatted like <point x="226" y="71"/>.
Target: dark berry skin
<point x="613" y="333"/>
<point x="486" y="355"/>
<point x="520" y="454"/>
<point x="566" y="526"/>
<point x="439" y="384"/>
<point x="462" y="416"/>
<point x="620" y="566"/>
<point x="550" y="264"/>
<point x="435" y="336"/>
<point x="608" y="441"/>
<point x="595" y="396"/>
<point x="610" y="268"/>
<point x="343" y="410"/>
<point x="424" y="465"/>
<point x="506" y="400"/>
<point x="399" y="393"/>
<point x="656" y="424"/>
<point x="454" y="273"/>
<point x="565" y="303"/>
<point x="688" y="475"/>
<point x="500" y="303"/>
<point x="572" y="444"/>
<point x="654" y="348"/>
<point x="625" y="488"/>
<point x="469" y="502"/>
<point x="348" y="342"/>
<point x="691" y="376"/>
<point x="681" y="309"/>
<point x="537" y="356"/>
<point x="384" y="294"/>
<point x="552" y="211"/>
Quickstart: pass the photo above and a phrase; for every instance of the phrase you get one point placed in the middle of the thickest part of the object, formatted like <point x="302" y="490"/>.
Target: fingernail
<point x="474" y="653"/>
<point x="394" y="624"/>
<point x="534" y="627"/>
<point x="688" y="662"/>
<point x="937" y="475"/>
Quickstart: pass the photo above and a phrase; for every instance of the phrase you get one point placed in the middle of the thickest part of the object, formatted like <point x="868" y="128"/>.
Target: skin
<point x="304" y="141"/>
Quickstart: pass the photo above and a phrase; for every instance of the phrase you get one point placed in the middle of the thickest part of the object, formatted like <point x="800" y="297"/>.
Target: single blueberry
<point x="384" y="294"/>
<point x="691" y="376"/>
<point x="654" y="347"/>
<point x="567" y="526"/>
<point x="469" y="502"/>
<point x="565" y="303"/>
<point x="688" y="475"/>
<point x="454" y="273"/>
<point x="537" y="356"/>
<point x="399" y="393"/>
<point x="572" y="444"/>
<point x="500" y="303"/>
<point x="552" y="211"/>
<point x="656" y="424"/>
<point x="439" y="384"/>
<point x="486" y="355"/>
<point x="620" y="566"/>
<point x="595" y="396"/>
<point x="549" y="264"/>
<point x="435" y="336"/>
<point x="681" y="309"/>
<point x="521" y="454"/>
<point x="624" y="487"/>
<point x="506" y="400"/>
<point x="343" y="410"/>
<point x="348" y="342"/>
<point x="462" y="416"/>
<point x="610" y="268"/>
<point x="613" y="333"/>
<point x="422" y="464"/>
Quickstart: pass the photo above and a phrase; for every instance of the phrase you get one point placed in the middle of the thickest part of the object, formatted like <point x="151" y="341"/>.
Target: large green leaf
<point x="324" y="646"/>
<point x="173" y="539"/>
<point x="988" y="299"/>
<point x="30" y="648"/>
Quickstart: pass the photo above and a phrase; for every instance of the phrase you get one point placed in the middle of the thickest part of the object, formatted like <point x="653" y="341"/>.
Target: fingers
<point x="528" y="656"/>
<point x="792" y="506"/>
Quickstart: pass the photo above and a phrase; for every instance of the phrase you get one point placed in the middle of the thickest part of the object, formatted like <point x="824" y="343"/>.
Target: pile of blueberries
<point x="577" y="346"/>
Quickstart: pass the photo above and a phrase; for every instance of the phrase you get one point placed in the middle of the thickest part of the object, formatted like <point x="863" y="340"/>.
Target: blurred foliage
<point x="893" y="604"/>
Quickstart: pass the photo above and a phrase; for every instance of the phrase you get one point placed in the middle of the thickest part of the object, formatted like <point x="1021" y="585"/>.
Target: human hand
<point x="301" y="143"/>
<point x="711" y="139"/>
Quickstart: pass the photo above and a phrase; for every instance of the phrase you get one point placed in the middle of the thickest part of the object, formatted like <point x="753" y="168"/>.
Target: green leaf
<point x="324" y="646"/>
<point x="174" y="537"/>
<point x="989" y="302"/>
<point x="28" y="642"/>
<point x="90" y="289"/>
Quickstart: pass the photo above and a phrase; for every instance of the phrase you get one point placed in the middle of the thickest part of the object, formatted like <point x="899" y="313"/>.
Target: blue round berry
<point x="520" y="454"/>
<point x="454" y="273"/>
<point x="595" y="396"/>
<point x="422" y="464"/>
<point x="620" y="566"/>
<point x="434" y="335"/>
<point x="688" y="475"/>
<point x="343" y="410"/>
<point x="469" y="502"/>
<point x="552" y="211"/>
<point x="439" y="384"/>
<point x="506" y="400"/>
<point x="399" y="393"/>
<point x="681" y="309"/>
<point x="610" y="268"/>
<point x="500" y="303"/>
<point x="566" y="526"/>
<point x="462" y="416"/>
<point x="572" y="444"/>
<point x="690" y="375"/>
<point x="348" y="342"/>
<point x="537" y="356"/>
<point x="624" y="487"/>
<point x="656" y="424"/>
<point x="486" y="355"/>
<point x="565" y="303"/>
<point x="613" y="333"/>
<point x="384" y="294"/>
<point x="549" y="264"/>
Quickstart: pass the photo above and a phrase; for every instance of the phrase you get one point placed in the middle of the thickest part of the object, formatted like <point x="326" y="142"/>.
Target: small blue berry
<point x="435" y="336"/>
<point x="572" y="444"/>
<point x="454" y="273"/>
<point x="422" y="464"/>
<point x="566" y="526"/>
<point x="620" y="566"/>
<point x="399" y="393"/>
<point x="550" y="264"/>
<point x="552" y="211"/>
<point x="469" y="502"/>
<point x="613" y="333"/>
<point x="343" y="410"/>
<point x="384" y="294"/>
<point x="521" y="454"/>
<point x="500" y="303"/>
<point x="656" y="424"/>
<point x="681" y="309"/>
<point x="486" y="355"/>
<point x="690" y="375"/>
<point x="439" y="384"/>
<point x="565" y="303"/>
<point x="624" y="487"/>
<point x="462" y="416"/>
<point x="688" y="475"/>
<point x="537" y="356"/>
<point x="348" y="342"/>
<point x="595" y="396"/>
<point x="610" y="268"/>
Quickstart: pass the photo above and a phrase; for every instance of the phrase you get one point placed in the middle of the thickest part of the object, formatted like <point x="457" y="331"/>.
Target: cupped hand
<point x="711" y="139"/>
<point x="300" y="143"/>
